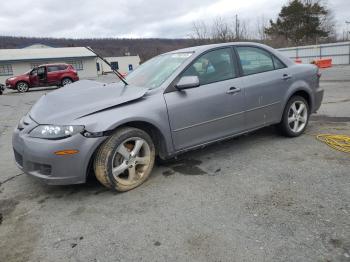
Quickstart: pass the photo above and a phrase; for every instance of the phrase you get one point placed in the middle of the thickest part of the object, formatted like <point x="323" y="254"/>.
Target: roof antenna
<point x="115" y="71"/>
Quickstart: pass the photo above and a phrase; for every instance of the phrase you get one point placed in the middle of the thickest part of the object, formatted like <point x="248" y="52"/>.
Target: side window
<point x="213" y="66"/>
<point x="62" y="67"/>
<point x="254" y="60"/>
<point x="41" y="70"/>
<point x="278" y="64"/>
<point x="52" y="68"/>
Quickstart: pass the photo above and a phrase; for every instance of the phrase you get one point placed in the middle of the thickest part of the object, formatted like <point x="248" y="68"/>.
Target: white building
<point x="18" y="61"/>
<point x="124" y="64"/>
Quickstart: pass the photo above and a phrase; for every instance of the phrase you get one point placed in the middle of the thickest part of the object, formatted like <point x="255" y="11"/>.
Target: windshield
<point x="154" y="72"/>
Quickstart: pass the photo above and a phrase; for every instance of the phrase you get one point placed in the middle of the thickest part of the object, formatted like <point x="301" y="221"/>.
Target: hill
<point x="145" y="48"/>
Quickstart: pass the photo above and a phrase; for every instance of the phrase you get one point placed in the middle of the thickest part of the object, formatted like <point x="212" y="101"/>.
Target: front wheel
<point x="125" y="160"/>
<point x="22" y="87"/>
<point x="295" y="117"/>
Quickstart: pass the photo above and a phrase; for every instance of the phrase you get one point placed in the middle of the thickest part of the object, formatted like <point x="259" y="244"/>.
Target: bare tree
<point x="261" y="23"/>
<point x="221" y="31"/>
<point x="200" y="32"/>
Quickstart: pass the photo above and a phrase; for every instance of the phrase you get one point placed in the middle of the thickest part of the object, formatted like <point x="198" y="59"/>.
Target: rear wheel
<point x="22" y="87"/>
<point x="125" y="160"/>
<point x="66" y="81"/>
<point x="295" y="117"/>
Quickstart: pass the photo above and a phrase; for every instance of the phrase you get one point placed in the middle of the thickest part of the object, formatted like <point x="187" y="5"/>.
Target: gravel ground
<point x="259" y="197"/>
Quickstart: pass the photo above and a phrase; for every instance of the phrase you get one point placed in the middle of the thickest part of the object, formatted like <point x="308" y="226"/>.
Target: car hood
<point x="82" y="98"/>
<point x="18" y="77"/>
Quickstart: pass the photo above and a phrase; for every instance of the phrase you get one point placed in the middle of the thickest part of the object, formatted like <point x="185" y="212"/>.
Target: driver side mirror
<point x="186" y="82"/>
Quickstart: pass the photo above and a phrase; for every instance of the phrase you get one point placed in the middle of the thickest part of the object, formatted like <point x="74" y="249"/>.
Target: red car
<point x="44" y="75"/>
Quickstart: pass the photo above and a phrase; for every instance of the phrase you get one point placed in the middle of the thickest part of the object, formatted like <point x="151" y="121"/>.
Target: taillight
<point x="318" y="73"/>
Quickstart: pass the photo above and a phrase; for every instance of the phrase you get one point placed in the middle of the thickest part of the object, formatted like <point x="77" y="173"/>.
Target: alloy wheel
<point x="22" y="87"/>
<point x="297" y="116"/>
<point x="131" y="160"/>
<point x="66" y="81"/>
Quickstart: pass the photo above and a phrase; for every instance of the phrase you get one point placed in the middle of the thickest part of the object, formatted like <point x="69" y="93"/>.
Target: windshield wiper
<point x="115" y="71"/>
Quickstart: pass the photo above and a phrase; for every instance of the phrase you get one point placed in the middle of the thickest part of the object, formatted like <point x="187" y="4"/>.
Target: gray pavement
<point x="259" y="197"/>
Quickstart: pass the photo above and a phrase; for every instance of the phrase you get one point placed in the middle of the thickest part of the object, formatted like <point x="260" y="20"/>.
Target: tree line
<point x="299" y="22"/>
<point x="145" y="48"/>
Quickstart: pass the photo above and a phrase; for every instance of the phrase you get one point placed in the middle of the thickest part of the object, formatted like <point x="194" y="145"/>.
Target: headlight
<point x="55" y="132"/>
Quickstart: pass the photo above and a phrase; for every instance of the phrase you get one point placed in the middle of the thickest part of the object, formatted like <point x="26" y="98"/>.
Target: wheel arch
<point x="19" y="81"/>
<point x="298" y="91"/>
<point x="65" y="77"/>
<point x="152" y="130"/>
<point x="303" y="92"/>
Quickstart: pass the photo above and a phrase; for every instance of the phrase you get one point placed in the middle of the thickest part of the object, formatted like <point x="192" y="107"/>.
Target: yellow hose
<point x="338" y="142"/>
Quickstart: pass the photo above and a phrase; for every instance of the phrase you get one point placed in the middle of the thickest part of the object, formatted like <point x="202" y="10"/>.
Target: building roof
<point x="44" y="53"/>
<point x="37" y="45"/>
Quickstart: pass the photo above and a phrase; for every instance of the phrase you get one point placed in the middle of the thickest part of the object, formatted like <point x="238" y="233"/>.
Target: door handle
<point x="286" y="77"/>
<point x="233" y="90"/>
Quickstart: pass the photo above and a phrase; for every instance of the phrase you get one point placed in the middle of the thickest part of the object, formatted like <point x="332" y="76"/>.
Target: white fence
<point x="339" y="52"/>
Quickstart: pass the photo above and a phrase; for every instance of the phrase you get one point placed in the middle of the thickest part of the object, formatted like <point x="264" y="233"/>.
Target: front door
<point x="213" y="110"/>
<point x="42" y="76"/>
<point x="33" y="77"/>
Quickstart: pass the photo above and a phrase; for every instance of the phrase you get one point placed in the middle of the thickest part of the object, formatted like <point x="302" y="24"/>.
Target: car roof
<point x="54" y="64"/>
<point x="202" y="48"/>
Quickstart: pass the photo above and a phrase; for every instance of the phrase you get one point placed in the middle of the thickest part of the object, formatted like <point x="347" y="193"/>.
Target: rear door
<point x="265" y="80"/>
<point x="53" y="74"/>
<point x="214" y="109"/>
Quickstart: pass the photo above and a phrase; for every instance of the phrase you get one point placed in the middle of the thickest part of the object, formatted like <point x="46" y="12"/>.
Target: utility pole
<point x="237" y="28"/>
<point x="347" y="30"/>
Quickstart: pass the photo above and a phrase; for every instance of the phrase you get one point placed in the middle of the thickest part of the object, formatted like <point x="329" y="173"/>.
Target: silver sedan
<point x="173" y="103"/>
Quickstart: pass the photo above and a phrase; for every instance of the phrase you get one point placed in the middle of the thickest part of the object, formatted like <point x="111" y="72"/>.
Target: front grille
<point x="18" y="158"/>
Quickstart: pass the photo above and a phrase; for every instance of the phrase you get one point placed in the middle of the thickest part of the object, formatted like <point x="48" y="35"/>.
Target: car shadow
<point x="223" y="145"/>
<point x="31" y="90"/>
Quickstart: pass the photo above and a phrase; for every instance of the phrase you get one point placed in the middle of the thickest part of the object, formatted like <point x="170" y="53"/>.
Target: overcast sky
<point x="134" y="18"/>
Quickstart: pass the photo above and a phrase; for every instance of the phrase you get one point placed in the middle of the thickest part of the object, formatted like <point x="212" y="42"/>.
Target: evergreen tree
<point x="300" y="22"/>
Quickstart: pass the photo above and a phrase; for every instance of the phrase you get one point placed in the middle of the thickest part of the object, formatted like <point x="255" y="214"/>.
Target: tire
<point x="125" y="160"/>
<point x="22" y="87"/>
<point x="66" y="81"/>
<point x="295" y="117"/>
